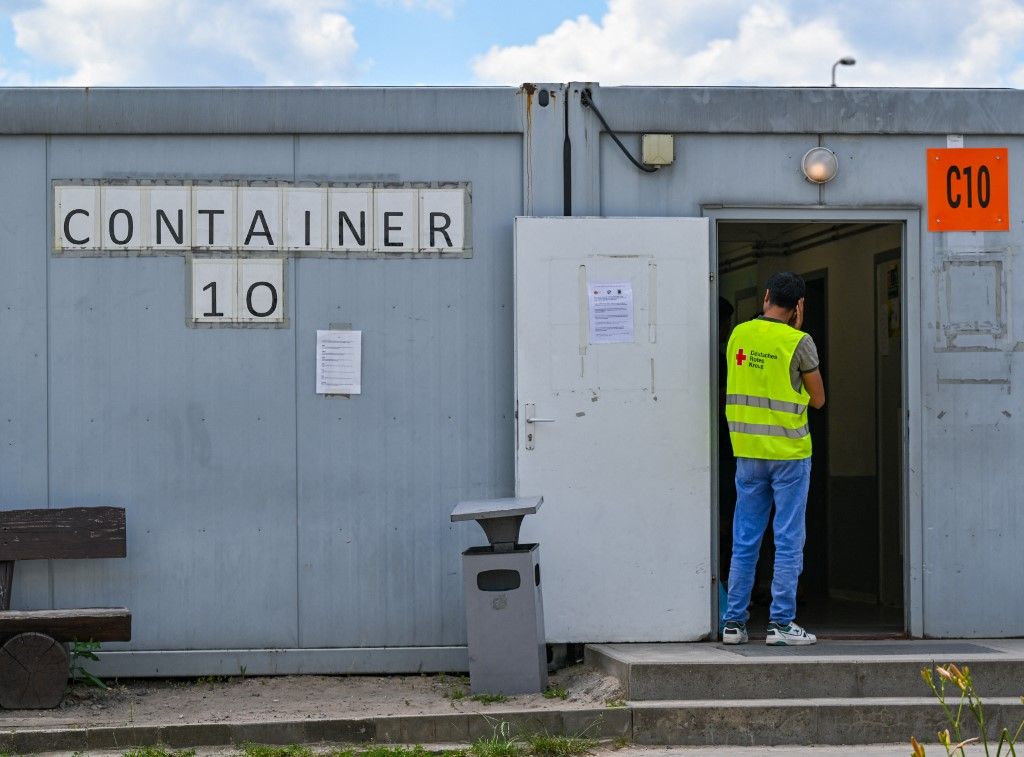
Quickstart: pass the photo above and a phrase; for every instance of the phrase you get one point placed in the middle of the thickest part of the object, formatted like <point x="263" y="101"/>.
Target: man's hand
<point x="815" y="387"/>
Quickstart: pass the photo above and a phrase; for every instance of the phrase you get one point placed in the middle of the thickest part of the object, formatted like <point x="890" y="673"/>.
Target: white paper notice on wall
<point x="611" y="311"/>
<point x="339" y="362"/>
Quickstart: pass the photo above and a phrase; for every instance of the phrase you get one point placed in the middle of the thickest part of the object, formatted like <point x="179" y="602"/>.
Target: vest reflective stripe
<point x="767" y="417"/>
<point x="768" y="430"/>
<point x="751" y="401"/>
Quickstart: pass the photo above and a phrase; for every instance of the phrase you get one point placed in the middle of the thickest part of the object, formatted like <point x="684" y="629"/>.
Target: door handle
<point x="528" y="411"/>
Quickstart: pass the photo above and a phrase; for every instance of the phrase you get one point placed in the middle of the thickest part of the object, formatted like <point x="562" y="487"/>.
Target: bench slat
<point x="65" y="533"/>
<point x="91" y="624"/>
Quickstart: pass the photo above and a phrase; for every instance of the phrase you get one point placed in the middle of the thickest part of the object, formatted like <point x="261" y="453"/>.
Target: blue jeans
<point x="758" y="483"/>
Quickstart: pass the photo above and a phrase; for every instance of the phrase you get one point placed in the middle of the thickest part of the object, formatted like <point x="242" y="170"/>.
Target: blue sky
<point x="421" y="46"/>
<point x="467" y="42"/>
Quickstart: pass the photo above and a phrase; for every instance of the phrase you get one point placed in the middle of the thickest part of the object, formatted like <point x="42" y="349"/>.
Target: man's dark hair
<point x="785" y="289"/>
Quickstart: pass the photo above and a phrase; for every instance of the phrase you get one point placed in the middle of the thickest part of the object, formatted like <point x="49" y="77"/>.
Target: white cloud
<point x="774" y="42"/>
<point x="190" y="42"/>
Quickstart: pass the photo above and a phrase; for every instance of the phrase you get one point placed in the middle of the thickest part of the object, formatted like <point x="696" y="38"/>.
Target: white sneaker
<point x="790" y="635"/>
<point x="734" y="633"/>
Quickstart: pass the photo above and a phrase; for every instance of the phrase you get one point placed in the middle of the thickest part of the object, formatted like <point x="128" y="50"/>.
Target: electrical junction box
<point x="657" y="149"/>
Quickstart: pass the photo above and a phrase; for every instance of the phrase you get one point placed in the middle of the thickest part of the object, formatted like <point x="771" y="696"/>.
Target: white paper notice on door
<point x="339" y="362"/>
<point x="611" y="311"/>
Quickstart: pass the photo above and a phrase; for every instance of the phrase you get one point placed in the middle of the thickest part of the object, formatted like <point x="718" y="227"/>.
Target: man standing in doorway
<point x="773" y="377"/>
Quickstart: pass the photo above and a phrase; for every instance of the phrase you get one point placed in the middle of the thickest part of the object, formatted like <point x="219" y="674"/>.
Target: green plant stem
<point x="979" y="714"/>
<point x="1017" y="734"/>
<point x="940" y="694"/>
<point x="1004" y="736"/>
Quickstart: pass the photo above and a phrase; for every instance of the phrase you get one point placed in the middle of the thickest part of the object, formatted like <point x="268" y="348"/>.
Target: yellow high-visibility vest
<point x="767" y="417"/>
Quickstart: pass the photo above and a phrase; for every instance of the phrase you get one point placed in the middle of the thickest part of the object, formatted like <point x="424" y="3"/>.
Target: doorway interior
<point x="852" y="584"/>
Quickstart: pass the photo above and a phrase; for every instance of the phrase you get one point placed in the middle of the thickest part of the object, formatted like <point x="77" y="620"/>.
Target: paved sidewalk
<point x="872" y="750"/>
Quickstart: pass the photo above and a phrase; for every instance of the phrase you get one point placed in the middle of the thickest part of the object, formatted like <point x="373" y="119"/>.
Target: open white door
<point x="613" y="423"/>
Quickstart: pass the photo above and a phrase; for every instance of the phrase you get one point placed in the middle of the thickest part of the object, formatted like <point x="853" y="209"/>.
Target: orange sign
<point x="968" y="189"/>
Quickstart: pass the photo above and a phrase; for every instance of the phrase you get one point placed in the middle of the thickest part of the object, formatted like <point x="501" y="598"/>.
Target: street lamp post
<point x="847" y="61"/>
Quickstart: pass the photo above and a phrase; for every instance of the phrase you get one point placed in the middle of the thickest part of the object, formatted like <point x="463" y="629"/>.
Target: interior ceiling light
<point x="820" y="165"/>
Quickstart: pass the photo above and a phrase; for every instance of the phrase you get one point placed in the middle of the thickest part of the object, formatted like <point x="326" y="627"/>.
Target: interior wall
<point x="851" y="317"/>
<point x="851" y="370"/>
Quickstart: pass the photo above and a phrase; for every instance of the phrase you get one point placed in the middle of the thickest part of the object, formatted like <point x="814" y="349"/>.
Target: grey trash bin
<point x="504" y="612"/>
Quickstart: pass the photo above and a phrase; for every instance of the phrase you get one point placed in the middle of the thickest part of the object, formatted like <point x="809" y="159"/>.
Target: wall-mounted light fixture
<point x="820" y="165"/>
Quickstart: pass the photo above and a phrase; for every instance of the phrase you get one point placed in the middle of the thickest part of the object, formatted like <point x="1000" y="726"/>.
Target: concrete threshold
<point x="829" y="669"/>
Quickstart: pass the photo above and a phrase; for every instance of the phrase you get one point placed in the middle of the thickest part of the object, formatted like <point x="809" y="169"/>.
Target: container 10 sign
<point x="968" y="189"/>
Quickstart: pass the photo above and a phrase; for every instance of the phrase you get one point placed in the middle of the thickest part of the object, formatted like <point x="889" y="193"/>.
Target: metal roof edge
<point x="812" y="110"/>
<point x="260" y="110"/>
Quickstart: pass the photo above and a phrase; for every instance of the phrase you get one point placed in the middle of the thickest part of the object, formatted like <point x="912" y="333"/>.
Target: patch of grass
<point x="615" y="702"/>
<point x="501" y="743"/>
<point x="81" y="651"/>
<point x="212" y="679"/>
<point x="489" y="698"/>
<point x="399" y="751"/>
<point x="545" y="745"/>
<point x="263" y="750"/>
<point x="159" y="751"/>
<point x="394" y="751"/>
<point x="556" y="692"/>
<point x="621" y="742"/>
<point x="453" y="688"/>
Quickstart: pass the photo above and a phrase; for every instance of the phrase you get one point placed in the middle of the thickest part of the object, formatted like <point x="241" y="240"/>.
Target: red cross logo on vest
<point x="740" y="357"/>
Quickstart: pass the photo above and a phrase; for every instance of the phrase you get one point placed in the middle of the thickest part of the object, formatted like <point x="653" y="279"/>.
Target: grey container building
<point x="281" y="530"/>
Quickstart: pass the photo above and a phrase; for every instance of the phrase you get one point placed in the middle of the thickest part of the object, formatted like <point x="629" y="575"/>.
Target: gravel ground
<point x="254" y="699"/>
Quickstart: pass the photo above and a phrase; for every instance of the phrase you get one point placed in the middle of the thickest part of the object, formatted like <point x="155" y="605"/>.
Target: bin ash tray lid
<point x="499" y="518"/>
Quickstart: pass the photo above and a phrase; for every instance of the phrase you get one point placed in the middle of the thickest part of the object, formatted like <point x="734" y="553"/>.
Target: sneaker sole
<point x="794" y="643"/>
<point x="732" y="641"/>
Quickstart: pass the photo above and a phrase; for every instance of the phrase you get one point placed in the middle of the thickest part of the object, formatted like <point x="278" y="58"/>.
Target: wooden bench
<point x="34" y="664"/>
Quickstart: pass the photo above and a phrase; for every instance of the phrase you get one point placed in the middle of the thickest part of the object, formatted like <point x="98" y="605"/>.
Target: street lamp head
<point x="844" y="61"/>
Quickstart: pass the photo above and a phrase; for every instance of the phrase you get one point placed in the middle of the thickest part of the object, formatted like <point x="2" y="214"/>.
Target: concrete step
<point x="832" y="721"/>
<point x="829" y="669"/>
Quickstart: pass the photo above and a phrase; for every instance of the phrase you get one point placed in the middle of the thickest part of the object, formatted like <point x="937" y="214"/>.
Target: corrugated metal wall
<point x="264" y="517"/>
<point x="260" y="514"/>
<point x="741" y="148"/>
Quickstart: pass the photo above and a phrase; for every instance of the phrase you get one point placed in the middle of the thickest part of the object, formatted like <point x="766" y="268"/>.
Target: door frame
<point x="909" y="216"/>
<point x="880" y="258"/>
